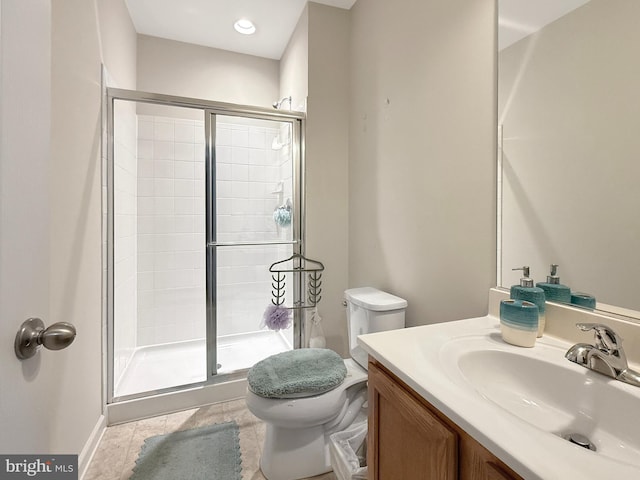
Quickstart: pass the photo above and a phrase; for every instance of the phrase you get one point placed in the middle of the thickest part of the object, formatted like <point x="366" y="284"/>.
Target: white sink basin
<point x="554" y="395"/>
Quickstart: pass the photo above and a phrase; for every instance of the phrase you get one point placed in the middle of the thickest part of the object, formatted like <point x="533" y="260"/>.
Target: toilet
<point x="305" y="395"/>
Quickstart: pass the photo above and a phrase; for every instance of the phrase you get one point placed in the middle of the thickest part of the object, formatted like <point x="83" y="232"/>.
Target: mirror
<point x="569" y="146"/>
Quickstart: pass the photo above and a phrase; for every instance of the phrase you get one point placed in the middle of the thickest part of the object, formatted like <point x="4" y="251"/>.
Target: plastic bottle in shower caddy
<point x="553" y="289"/>
<point x="526" y="291"/>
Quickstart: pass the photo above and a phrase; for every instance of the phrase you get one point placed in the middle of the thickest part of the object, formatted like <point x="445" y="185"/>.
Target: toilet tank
<point x="371" y="310"/>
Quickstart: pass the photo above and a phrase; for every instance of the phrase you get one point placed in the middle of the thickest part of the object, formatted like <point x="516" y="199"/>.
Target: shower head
<point x="278" y="105"/>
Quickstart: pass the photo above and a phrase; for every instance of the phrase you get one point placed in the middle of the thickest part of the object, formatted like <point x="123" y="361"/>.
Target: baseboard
<point x="91" y="446"/>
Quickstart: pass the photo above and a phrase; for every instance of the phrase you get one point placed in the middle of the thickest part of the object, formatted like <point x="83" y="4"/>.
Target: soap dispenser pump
<point x="553" y="289"/>
<point x="526" y="291"/>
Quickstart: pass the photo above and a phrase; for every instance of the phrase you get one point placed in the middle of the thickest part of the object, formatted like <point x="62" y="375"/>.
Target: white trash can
<point x="348" y="452"/>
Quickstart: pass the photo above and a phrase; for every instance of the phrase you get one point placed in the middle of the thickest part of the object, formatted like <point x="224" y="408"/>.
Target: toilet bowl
<point x="298" y="423"/>
<point x="297" y="436"/>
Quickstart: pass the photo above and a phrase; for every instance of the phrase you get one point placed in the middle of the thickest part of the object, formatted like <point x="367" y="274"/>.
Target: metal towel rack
<point x="312" y="278"/>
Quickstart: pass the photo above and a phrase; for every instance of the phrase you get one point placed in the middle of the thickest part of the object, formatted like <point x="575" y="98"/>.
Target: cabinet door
<point x="494" y="472"/>
<point x="477" y="463"/>
<point x="406" y="441"/>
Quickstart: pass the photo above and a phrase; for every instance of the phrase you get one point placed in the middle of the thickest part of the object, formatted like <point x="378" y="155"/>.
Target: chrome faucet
<point x="605" y="356"/>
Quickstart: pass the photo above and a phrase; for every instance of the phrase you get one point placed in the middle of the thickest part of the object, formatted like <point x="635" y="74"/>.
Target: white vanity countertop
<point x="416" y="356"/>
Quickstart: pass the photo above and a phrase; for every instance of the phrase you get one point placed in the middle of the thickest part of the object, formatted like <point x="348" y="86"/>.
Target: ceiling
<point x="210" y="22"/>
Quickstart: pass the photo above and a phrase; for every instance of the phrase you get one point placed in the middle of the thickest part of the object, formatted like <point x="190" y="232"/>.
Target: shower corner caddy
<point x="312" y="278"/>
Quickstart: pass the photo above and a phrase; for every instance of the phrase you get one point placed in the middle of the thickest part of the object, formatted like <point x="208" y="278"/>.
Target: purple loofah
<point x="277" y="318"/>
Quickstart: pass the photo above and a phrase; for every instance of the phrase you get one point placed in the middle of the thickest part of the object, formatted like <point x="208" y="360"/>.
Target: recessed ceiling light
<point x="244" y="26"/>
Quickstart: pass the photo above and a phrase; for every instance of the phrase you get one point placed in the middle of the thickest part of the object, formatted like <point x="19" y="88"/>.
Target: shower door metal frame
<point x="210" y="110"/>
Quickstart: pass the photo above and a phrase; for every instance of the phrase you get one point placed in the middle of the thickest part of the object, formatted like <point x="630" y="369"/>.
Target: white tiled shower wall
<point x="171" y="226"/>
<point x="249" y="180"/>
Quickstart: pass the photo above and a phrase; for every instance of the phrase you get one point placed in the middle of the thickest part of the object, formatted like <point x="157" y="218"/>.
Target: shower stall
<point x="202" y="197"/>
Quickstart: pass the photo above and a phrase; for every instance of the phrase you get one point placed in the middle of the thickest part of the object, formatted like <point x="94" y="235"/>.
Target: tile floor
<point x="118" y="450"/>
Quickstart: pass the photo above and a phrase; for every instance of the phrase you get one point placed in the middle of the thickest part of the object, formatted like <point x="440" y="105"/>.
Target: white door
<point x="25" y="49"/>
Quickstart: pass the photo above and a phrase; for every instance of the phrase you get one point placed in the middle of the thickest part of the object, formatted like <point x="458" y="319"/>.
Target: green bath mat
<point x="211" y="453"/>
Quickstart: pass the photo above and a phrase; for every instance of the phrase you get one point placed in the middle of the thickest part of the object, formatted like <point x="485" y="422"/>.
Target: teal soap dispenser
<point x="553" y="289"/>
<point x="526" y="291"/>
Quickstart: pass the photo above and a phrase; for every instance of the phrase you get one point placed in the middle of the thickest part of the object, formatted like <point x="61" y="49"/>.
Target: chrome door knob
<point x="32" y="334"/>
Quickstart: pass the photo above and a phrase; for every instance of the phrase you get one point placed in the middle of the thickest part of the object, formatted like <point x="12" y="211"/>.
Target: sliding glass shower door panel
<point x="159" y="324"/>
<point x="255" y="226"/>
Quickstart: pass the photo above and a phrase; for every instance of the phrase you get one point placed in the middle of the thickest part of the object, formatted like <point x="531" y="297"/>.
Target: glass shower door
<point x="201" y="200"/>
<point x="253" y="224"/>
<point x="159" y="294"/>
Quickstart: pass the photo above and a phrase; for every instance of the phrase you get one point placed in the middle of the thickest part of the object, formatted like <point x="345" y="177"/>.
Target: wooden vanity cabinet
<point x="409" y="439"/>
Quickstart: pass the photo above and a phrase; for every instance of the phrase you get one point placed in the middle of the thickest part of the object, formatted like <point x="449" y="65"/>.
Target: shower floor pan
<point x="168" y="365"/>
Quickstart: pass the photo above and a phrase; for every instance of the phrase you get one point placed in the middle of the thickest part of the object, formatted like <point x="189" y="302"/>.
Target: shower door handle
<point x="251" y="244"/>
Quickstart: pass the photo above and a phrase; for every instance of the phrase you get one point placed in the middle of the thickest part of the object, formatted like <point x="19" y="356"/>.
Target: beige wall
<point x="569" y="102"/>
<point x="327" y="157"/>
<point x="294" y="65"/>
<point x="182" y="69"/>
<point x="422" y="154"/>
<point x="118" y="39"/>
